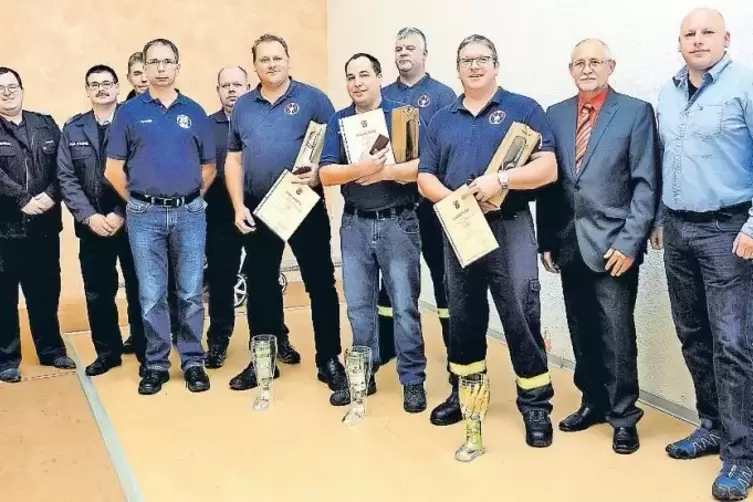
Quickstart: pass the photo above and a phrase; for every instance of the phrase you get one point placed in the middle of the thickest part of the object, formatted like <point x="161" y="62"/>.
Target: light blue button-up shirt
<point x="707" y="140"/>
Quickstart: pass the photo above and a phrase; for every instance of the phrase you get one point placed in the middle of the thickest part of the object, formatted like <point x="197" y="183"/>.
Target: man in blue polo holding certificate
<point x="379" y="231"/>
<point x="457" y="147"/>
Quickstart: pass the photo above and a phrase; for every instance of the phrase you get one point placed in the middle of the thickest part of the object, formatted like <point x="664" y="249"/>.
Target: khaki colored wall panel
<point x="53" y="42"/>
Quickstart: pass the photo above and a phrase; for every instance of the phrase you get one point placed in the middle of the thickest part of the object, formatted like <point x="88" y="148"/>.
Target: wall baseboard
<point x="657" y="402"/>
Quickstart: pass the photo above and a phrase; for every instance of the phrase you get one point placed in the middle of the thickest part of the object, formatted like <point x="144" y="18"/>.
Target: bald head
<point x="592" y="46"/>
<point x="232" y="83"/>
<point x="703" y="39"/>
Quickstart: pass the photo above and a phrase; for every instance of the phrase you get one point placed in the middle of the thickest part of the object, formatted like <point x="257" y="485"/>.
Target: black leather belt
<point x="708" y="216"/>
<point x="166" y="201"/>
<point x="378" y="214"/>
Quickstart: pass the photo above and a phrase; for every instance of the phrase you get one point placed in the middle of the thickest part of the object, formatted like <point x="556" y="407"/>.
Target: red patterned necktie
<point x="583" y="132"/>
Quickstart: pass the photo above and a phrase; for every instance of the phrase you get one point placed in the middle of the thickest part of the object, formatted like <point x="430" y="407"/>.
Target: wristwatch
<point x="503" y="179"/>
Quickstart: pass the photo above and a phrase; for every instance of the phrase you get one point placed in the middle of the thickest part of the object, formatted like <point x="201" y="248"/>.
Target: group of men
<point x="157" y="184"/>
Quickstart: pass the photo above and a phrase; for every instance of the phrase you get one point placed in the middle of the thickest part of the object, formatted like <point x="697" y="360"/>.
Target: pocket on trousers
<point x="136" y="206"/>
<point x="533" y="300"/>
<point x="197" y="205"/>
<point x="346" y="222"/>
<point x="408" y="222"/>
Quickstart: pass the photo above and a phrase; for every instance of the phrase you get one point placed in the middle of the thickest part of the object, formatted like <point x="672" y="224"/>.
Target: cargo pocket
<point x="533" y="301"/>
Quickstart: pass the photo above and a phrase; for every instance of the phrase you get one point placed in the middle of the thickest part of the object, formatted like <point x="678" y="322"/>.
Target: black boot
<point x="448" y="412"/>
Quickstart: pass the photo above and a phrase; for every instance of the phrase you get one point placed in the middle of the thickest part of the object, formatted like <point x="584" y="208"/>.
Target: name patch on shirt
<point x="78" y="143"/>
<point x="6" y="143"/>
<point x="145" y="121"/>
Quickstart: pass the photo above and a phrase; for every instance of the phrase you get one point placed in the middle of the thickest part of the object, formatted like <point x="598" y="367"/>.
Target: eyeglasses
<point x="481" y="61"/>
<point x="580" y="64"/>
<point x="11" y="88"/>
<point x="106" y="85"/>
<point x="157" y="62"/>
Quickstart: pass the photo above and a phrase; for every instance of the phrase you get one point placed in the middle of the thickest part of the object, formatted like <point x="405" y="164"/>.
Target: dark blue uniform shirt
<point x="382" y="195"/>
<point x="164" y="148"/>
<point x="270" y="135"/>
<point x="428" y="95"/>
<point x="456" y="146"/>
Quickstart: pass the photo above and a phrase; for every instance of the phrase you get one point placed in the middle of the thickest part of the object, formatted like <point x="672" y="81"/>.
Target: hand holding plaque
<point x="514" y="151"/>
<point x="465" y="226"/>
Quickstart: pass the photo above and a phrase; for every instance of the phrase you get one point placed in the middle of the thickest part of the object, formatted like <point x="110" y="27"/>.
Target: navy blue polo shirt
<point x="428" y="95"/>
<point x="270" y="135"/>
<point x="220" y="127"/>
<point x="457" y="146"/>
<point x="164" y="148"/>
<point x="382" y="195"/>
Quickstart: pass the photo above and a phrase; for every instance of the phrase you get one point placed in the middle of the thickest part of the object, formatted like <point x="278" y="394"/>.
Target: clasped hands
<point x="617" y="263"/>
<point x="105" y="226"/>
<point x="38" y="204"/>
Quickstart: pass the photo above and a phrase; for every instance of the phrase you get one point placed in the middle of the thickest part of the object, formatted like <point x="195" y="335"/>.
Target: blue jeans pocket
<point x="136" y="206"/>
<point x="197" y="205"/>
<point x="407" y="221"/>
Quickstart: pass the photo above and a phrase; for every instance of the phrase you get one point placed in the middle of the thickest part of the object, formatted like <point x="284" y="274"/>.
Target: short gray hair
<point x="410" y="30"/>
<point x="478" y="39"/>
<point x="605" y="47"/>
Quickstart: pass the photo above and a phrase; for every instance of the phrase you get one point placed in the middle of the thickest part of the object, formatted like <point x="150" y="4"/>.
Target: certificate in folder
<point x="286" y="205"/>
<point x="465" y="226"/>
<point x="365" y="132"/>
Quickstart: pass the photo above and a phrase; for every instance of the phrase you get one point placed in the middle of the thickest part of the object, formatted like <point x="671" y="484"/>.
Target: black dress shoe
<point x="341" y="397"/>
<point x="625" y="440"/>
<point x="10" y="375"/>
<point x="582" y="419"/>
<point x="246" y="379"/>
<point x="333" y="374"/>
<point x="538" y="428"/>
<point x="286" y="353"/>
<point x="448" y="412"/>
<point x="102" y="365"/>
<point x="128" y="346"/>
<point x="61" y="363"/>
<point x="152" y="381"/>
<point x="215" y="357"/>
<point x="196" y="379"/>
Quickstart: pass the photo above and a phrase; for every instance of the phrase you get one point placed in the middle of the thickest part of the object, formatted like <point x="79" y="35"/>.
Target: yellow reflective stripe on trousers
<point x="468" y="369"/>
<point x="443" y="313"/>
<point x="534" y="382"/>
<point x="385" y="311"/>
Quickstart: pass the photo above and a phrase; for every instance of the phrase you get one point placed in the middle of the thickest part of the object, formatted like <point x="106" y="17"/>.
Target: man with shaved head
<point x="706" y="227"/>
<point x="223" y="240"/>
<point x="593" y="225"/>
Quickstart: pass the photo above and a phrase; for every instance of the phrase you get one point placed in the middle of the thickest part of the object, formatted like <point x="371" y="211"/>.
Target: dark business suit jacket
<point x="612" y="201"/>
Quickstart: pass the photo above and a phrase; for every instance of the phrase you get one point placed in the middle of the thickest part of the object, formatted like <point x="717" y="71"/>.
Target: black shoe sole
<point x="626" y="451"/>
<point x="446" y="422"/>
<point x="581" y="428"/>
<point x="541" y="443"/>
<point x="11" y="380"/>
<point x="414" y="410"/>
<point x="198" y="387"/>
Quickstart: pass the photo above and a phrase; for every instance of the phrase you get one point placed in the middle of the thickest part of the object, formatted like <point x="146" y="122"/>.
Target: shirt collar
<point x="289" y="92"/>
<point x="596" y="101"/>
<point x="681" y="77"/>
<point x="402" y="86"/>
<point x="108" y="120"/>
<point x="220" y="116"/>
<point x="496" y="99"/>
<point x="146" y="96"/>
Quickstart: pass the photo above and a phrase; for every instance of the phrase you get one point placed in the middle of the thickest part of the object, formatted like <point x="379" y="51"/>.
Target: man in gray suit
<point x="593" y="225"/>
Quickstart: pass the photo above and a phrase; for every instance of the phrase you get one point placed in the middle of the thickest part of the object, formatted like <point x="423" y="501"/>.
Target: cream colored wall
<point x="534" y="40"/>
<point x="53" y="42"/>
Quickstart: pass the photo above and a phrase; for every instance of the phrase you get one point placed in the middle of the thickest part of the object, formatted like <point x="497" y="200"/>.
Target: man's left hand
<point x="306" y="175"/>
<point x="485" y="187"/>
<point x="743" y="246"/>
<point x="115" y="221"/>
<point x="45" y="200"/>
<point x="617" y="263"/>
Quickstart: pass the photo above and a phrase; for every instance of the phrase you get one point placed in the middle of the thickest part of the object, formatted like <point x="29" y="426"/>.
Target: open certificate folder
<point x="465" y="226"/>
<point x="286" y="205"/>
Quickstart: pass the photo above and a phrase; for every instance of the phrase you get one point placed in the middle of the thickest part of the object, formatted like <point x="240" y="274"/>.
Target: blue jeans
<point x="390" y="244"/>
<point x="711" y="297"/>
<point x="158" y="234"/>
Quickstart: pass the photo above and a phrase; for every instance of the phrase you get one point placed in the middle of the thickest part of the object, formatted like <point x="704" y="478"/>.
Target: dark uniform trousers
<point x="98" y="257"/>
<point x="600" y="318"/>
<point x="432" y="244"/>
<point x="510" y="273"/>
<point x="223" y="250"/>
<point x="34" y="263"/>
<point x="313" y="252"/>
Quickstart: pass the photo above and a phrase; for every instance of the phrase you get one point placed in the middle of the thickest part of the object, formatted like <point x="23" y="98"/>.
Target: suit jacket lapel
<point x="602" y="122"/>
